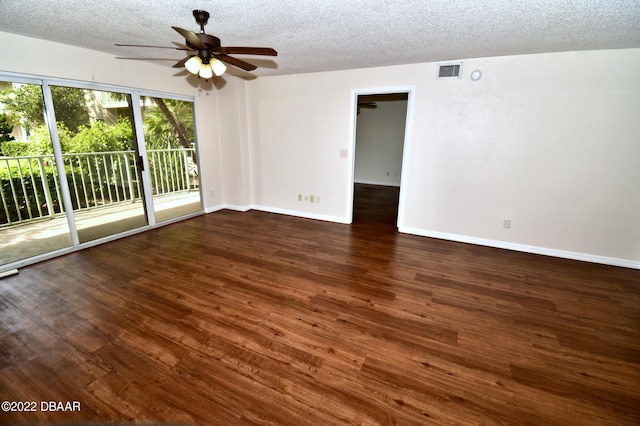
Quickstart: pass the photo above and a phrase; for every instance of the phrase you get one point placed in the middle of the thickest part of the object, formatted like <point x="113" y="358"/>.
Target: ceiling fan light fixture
<point x="209" y="52"/>
<point x="218" y="67"/>
<point x="206" y="71"/>
<point x="194" y="64"/>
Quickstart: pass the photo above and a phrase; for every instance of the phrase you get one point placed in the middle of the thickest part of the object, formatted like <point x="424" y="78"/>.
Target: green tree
<point x="5" y="129"/>
<point x="40" y="141"/>
<point x="100" y="137"/>
<point x="24" y="104"/>
<point x="70" y="106"/>
<point x="169" y="117"/>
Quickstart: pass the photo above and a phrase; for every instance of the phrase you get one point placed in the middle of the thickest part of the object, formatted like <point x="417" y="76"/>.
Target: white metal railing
<point x="30" y="188"/>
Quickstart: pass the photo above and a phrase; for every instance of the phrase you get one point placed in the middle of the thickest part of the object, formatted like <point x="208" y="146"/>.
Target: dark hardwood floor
<point x="257" y="318"/>
<point x="376" y="206"/>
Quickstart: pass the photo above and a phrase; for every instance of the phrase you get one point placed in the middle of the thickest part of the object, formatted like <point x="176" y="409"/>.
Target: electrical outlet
<point x="506" y="224"/>
<point x="317" y="199"/>
<point x="306" y="198"/>
<point x="312" y="199"/>
<point x="299" y="197"/>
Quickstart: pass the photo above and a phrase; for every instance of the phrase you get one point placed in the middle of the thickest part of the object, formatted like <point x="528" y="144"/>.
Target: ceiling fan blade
<point x="181" y="62"/>
<point x="237" y="62"/>
<point x="156" y="47"/>
<point x="191" y="37"/>
<point x="267" y="51"/>
<point x="144" y="59"/>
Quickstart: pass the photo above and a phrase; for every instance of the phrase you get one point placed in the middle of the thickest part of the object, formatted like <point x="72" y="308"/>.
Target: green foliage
<point x="24" y="186"/>
<point x="162" y="141"/>
<point x="167" y="124"/>
<point x="71" y="106"/>
<point x="159" y="132"/>
<point x="19" y="206"/>
<point x="100" y="137"/>
<point x="24" y="104"/>
<point x="19" y="199"/>
<point x="26" y="168"/>
<point x="16" y="149"/>
<point x="5" y="129"/>
<point x="40" y="143"/>
<point x="41" y="139"/>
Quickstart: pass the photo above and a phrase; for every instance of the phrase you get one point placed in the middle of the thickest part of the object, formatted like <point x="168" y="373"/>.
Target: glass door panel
<point x="171" y="153"/>
<point x="101" y="161"/>
<point x="32" y="218"/>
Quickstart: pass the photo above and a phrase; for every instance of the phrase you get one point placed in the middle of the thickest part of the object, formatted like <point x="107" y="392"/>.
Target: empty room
<point x="320" y="213"/>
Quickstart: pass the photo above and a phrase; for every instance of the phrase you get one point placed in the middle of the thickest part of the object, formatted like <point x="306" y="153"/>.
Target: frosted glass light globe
<point x="206" y="71"/>
<point x="193" y="64"/>
<point x="218" y="67"/>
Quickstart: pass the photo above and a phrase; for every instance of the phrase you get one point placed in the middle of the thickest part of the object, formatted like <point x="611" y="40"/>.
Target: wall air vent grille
<point x="449" y="71"/>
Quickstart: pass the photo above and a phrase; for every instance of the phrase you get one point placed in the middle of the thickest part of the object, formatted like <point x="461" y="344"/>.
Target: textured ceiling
<point x="321" y="35"/>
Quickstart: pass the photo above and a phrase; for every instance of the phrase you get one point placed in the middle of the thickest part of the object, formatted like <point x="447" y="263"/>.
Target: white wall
<point x="41" y="58"/>
<point x="549" y="141"/>
<point x="379" y="143"/>
<point x="298" y="126"/>
<point x="231" y="124"/>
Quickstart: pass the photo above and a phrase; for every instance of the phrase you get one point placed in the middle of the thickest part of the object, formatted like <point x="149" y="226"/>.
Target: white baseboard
<point x="298" y="213"/>
<point x="565" y="254"/>
<point x="215" y="208"/>
<point x="586" y="257"/>
<point x="229" y="207"/>
<point x="8" y="273"/>
<point x="370" y="182"/>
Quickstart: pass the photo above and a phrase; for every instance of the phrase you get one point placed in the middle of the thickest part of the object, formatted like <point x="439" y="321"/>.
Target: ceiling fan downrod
<point x="202" y="17"/>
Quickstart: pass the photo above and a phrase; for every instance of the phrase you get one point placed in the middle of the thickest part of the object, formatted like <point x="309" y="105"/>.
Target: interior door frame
<point x="410" y="91"/>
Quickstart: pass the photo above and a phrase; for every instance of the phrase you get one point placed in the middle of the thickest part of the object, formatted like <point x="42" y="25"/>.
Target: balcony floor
<point x="32" y="239"/>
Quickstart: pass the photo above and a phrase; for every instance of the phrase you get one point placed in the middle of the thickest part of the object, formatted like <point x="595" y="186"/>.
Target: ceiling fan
<point x="371" y="105"/>
<point x="210" y="56"/>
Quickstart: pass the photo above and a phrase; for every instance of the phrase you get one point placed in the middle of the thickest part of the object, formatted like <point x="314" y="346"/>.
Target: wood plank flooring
<point x="256" y="318"/>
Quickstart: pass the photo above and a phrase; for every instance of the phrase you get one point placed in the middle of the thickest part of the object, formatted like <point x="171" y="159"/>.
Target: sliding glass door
<point x="80" y="164"/>
<point x="32" y="219"/>
<point x="170" y="146"/>
<point x="101" y="161"/>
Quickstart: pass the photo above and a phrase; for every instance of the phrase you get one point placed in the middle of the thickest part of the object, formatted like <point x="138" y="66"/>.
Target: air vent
<point x="449" y="71"/>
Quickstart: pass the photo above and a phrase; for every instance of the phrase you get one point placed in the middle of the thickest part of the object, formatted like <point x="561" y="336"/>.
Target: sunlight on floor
<point x="27" y="240"/>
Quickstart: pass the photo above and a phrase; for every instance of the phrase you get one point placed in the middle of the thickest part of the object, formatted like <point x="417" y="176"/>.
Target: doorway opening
<point x="379" y="134"/>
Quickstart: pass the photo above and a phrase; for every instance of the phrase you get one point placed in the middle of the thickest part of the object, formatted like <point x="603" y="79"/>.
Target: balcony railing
<point x="30" y="188"/>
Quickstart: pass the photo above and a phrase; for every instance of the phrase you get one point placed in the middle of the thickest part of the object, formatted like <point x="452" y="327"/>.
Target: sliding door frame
<point x="50" y="121"/>
<point x="136" y="95"/>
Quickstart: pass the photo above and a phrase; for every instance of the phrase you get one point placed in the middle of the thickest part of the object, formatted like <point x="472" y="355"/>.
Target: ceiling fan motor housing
<point x="205" y="55"/>
<point x="202" y="17"/>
